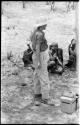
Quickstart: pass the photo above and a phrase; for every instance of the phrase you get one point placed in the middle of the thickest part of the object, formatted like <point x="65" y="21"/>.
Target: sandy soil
<point x="17" y="99"/>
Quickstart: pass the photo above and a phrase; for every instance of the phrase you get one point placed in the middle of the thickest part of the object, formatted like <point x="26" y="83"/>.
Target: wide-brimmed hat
<point x="41" y="21"/>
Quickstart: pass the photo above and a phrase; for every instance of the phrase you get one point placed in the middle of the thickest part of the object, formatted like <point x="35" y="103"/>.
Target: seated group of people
<point x="55" y="62"/>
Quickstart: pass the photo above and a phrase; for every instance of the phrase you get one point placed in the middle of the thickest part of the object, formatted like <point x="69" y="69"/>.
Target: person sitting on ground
<point x="27" y="56"/>
<point x="55" y="63"/>
<point x="72" y="55"/>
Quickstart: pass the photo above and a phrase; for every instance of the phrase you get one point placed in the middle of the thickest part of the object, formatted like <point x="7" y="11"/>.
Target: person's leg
<point x="43" y="75"/>
<point x="37" y="86"/>
<point x="36" y="82"/>
<point x="44" y="79"/>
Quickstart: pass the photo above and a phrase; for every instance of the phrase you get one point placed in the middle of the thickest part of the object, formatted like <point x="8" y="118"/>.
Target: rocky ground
<point x="17" y="102"/>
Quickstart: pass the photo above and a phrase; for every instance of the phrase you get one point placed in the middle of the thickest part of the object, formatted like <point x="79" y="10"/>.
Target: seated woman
<point x="72" y="55"/>
<point x="55" y="63"/>
<point x="27" y="56"/>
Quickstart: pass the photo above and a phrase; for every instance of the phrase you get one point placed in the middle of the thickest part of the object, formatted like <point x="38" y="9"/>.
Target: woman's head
<point x="73" y="41"/>
<point x="41" y="23"/>
<point x="43" y="27"/>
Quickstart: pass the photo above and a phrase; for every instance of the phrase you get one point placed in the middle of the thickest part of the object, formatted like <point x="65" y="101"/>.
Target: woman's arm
<point x="38" y="43"/>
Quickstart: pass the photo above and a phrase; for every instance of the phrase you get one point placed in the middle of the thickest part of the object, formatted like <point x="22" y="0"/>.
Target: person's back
<point x="60" y="54"/>
<point x="33" y="39"/>
<point x="39" y="36"/>
<point x="72" y="47"/>
<point x="72" y="54"/>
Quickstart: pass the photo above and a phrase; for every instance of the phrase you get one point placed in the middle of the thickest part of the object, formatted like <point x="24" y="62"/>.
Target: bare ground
<point x="17" y="102"/>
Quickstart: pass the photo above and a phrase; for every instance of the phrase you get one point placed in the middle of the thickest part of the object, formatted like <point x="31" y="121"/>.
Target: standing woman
<point x="40" y="59"/>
